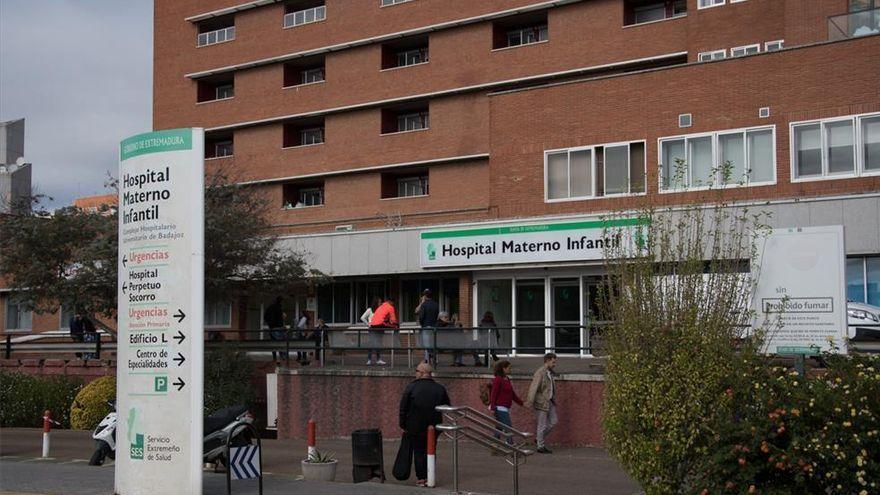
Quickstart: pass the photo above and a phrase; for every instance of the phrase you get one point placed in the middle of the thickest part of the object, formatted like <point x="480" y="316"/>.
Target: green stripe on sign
<point x="155" y="142"/>
<point x="524" y="229"/>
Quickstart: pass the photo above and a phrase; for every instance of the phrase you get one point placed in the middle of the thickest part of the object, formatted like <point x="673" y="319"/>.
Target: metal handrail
<point x="514" y="454"/>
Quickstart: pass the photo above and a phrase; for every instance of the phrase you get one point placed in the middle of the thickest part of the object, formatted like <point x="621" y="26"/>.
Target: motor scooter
<point x="105" y="437"/>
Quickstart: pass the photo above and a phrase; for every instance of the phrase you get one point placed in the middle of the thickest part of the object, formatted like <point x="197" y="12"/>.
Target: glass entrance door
<point x="566" y="315"/>
<point x="530" y="316"/>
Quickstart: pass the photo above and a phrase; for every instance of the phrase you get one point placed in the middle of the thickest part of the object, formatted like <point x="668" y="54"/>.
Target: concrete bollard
<point x="47" y="427"/>
<point x="312" y="434"/>
<point x="432" y="458"/>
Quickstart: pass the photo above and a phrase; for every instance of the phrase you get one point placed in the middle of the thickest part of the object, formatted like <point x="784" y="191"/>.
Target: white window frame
<point x="217" y="146"/>
<point x="399" y="181"/>
<point x="217" y="90"/>
<point x="593" y="174"/>
<point x="712" y="55"/>
<point x="204" y="39"/>
<point x="228" y="315"/>
<point x="423" y="118"/>
<point x="7" y="311"/>
<point x="716" y="159"/>
<point x="745" y="48"/>
<point x="304" y="133"/>
<point x="305" y="74"/>
<point x="537" y="27"/>
<point x="645" y="8"/>
<point x="716" y="3"/>
<point x="858" y="148"/>
<point x="319" y="13"/>
<point x="423" y="55"/>
<point x="767" y="45"/>
<point x="63" y="323"/>
<point x="389" y="3"/>
<point x="304" y="192"/>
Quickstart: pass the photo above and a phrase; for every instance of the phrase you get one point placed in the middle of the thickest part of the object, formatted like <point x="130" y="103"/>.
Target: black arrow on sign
<point x="180" y="337"/>
<point x="124" y="286"/>
<point x="180" y="315"/>
<point x="124" y="261"/>
<point x="179" y="384"/>
<point x="180" y="359"/>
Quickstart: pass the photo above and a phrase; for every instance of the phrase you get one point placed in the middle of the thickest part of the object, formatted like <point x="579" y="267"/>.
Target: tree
<point x="70" y="257"/>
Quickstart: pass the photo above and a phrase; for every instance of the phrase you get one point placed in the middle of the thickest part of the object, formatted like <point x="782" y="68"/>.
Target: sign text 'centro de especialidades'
<point x="160" y="307"/>
<point x="550" y="242"/>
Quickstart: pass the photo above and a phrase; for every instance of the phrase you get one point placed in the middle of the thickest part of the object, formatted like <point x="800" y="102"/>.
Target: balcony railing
<point x="854" y="24"/>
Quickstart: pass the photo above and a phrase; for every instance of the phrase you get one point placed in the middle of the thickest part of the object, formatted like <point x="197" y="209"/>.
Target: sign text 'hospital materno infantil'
<point x="160" y="293"/>
<point x="550" y="242"/>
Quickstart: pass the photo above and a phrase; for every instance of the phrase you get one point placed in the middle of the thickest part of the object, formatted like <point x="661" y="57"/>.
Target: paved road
<point x="570" y="470"/>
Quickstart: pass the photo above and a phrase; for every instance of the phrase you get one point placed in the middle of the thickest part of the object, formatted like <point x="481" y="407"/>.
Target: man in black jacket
<point x="428" y="312"/>
<point x="418" y="410"/>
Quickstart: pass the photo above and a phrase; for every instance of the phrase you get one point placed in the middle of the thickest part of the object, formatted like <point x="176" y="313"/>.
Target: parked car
<point x="863" y="321"/>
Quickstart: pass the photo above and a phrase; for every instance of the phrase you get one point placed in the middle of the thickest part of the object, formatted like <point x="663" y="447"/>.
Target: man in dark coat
<point x="274" y="318"/>
<point x="428" y="312"/>
<point x="418" y="410"/>
<point x="82" y="328"/>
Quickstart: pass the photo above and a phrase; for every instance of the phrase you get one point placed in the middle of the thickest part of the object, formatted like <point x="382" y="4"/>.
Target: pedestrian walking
<point x="418" y="411"/>
<point x="493" y="337"/>
<point x="302" y="333"/>
<point x="274" y="317"/>
<point x="542" y="397"/>
<point x="384" y="317"/>
<point x="428" y="313"/>
<point x="502" y="396"/>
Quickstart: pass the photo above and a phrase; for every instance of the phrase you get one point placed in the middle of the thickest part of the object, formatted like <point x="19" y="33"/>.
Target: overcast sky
<point x="80" y="73"/>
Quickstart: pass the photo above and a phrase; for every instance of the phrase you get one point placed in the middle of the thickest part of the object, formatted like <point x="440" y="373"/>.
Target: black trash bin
<point x="366" y="455"/>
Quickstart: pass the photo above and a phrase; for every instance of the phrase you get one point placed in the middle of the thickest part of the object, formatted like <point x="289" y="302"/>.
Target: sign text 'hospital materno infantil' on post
<point x="160" y="291"/>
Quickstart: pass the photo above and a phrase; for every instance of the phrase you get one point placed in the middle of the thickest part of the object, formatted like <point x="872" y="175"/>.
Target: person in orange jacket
<point x="384" y="317"/>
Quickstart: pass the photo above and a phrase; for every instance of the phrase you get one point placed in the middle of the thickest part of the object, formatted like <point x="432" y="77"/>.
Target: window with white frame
<point x="313" y="75"/>
<point x="386" y="3"/>
<point x="218" y="314"/>
<point x="65" y="315"/>
<point x="713" y="55"/>
<point x="773" y="46"/>
<point x="724" y="158"/>
<point x="18" y="315"/>
<point x="311" y="196"/>
<point x="839" y="147"/>
<point x="704" y="4"/>
<point x="305" y="16"/>
<point x="742" y="51"/>
<point x="221" y="35"/>
<point x="595" y="171"/>
<point x="314" y="135"/>
<point x="412" y="57"/>
<point x="527" y="35"/>
<point x="224" y="91"/>
<point x="412" y="186"/>
<point x="223" y="148"/>
<point x="412" y="121"/>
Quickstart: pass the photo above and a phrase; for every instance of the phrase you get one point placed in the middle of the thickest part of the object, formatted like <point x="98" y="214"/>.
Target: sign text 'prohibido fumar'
<point x="161" y="290"/>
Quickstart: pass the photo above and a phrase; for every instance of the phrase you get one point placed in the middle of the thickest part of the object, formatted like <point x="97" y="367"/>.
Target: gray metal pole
<point x="455" y="461"/>
<point x="515" y="473"/>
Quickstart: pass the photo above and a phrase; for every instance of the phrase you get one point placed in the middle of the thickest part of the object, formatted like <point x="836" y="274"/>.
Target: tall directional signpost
<point x="161" y="290"/>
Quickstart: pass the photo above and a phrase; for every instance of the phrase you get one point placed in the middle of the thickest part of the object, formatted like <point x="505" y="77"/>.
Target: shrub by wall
<point x="90" y="405"/>
<point x="227" y="379"/>
<point x="23" y="398"/>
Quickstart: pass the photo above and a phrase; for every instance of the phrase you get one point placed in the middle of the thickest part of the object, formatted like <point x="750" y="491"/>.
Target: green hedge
<point x="23" y="398"/>
<point x="91" y="403"/>
<point x="227" y="379"/>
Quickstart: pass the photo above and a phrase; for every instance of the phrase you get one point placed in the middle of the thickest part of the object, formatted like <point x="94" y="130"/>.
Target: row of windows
<point x="345" y="302"/>
<point x="863" y="279"/>
<point x="830" y="148"/>
<point x="741" y="51"/>
<point x="394" y="185"/>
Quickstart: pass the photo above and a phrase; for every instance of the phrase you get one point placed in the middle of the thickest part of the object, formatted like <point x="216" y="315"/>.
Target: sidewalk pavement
<point x="586" y="470"/>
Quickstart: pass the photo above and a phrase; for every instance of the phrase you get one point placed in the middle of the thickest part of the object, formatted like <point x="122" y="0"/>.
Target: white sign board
<point x="550" y="242"/>
<point x="802" y="282"/>
<point x="161" y="289"/>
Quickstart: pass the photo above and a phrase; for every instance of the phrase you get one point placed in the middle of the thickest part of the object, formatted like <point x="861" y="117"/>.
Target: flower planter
<point x="319" y="471"/>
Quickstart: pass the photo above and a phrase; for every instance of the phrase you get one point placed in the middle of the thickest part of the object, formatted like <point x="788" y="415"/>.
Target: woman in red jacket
<point x="503" y="395"/>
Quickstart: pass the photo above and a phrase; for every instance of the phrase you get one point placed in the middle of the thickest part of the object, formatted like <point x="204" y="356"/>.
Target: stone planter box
<point x="319" y="471"/>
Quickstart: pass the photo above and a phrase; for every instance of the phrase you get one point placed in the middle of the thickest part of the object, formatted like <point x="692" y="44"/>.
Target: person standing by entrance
<point x="418" y="411"/>
<point x="384" y="317"/>
<point x="503" y="396"/>
<point x="542" y="397"/>
<point x="428" y="312"/>
<point x="274" y="318"/>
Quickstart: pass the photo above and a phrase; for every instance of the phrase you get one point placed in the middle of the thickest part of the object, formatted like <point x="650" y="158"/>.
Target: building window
<point x="705" y="4"/>
<point x="300" y="195"/>
<point x="743" y="157"/>
<point x="219" y="146"/>
<point x="402" y="53"/>
<point x="713" y="55"/>
<point x="304" y="133"/>
<point x="218" y="30"/>
<point x="742" y="51"/>
<point x="844" y="147"/>
<point x="642" y="11"/>
<point x="406" y="184"/>
<point x="863" y="279"/>
<point x="412" y="121"/>
<point x="213" y="89"/>
<point x="335" y="303"/>
<point x="18" y="315"/>
<point x="412" y="57"/>
<point x="520" y="30"/>
<point x="299" y="13"/>
<point x="386" y="3"/>
<point x="405" y="119"/>
<point x="772" y="46"/>
<point x="595" y="171"/>
<point x="218" y="314"/>
<point x="66" y="314"/>
<point x="306" y="71"/>
<point x="444" y="290"/>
